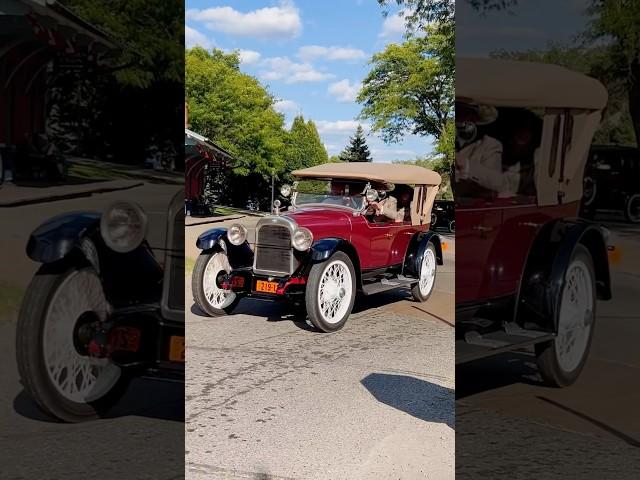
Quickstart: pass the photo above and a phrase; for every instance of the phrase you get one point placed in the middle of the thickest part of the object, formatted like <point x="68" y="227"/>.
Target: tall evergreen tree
<point x="303" y="145"/>
<point x="357" y="150"/>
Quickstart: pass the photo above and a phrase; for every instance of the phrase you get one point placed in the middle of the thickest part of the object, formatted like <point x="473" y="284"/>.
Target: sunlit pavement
<point x="267" y="397"/>
<point x="142" y="437"/>
<point x="501" y="402"/>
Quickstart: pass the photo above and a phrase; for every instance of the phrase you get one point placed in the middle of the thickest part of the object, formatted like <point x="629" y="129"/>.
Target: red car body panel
<point x="377" y="245"/>
<point x="488" y="265"/>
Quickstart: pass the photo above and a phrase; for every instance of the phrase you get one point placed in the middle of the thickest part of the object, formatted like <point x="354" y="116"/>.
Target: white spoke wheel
<point x="56" y="371"/>
<point x="205" y="282"/>
<point x="561" y="360"/>
<point x="632" y="208"/>
<point x="330" y="293"/>
<point x="422" y="290"/>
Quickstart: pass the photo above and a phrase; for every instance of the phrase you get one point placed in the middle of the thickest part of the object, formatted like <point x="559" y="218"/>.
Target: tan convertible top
<point x="510" y="83"/>
<point x="377" y="172"/>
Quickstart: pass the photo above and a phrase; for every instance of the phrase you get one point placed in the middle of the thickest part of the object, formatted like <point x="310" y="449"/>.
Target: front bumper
<point x="244" y="282"/>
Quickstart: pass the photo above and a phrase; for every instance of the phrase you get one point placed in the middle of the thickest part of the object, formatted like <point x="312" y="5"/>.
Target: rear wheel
<point x="561" y="360"/>
<point x="213" y="300"/>
<point x="632" y="208"/>
<point x="422" y="290"/>
<point x="54" y="364"/>
<point x="331" y="292"/>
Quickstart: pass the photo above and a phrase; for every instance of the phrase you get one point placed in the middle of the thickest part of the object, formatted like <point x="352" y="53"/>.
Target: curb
<point x="66" y="196"/>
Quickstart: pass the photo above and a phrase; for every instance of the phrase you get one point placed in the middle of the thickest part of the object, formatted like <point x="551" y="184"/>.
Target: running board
<point x="476" y="346"/>
<point x="388" y="284"/>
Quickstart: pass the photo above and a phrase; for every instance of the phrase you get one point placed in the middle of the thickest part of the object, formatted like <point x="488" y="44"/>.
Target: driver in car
<point x="384" y="210"/>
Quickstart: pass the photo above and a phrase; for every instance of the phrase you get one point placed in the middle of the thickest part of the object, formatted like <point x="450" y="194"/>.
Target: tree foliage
<point x="410" y="87"/>
<point x="303" y="145"/>
<point x="357" y="150"/>
<point x="235" y="111"/>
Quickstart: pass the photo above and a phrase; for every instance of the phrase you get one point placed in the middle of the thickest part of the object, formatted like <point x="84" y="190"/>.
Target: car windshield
<point x="330" y="192"/>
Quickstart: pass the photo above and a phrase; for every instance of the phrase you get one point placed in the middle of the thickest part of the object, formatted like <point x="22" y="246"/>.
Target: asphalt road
<point x="143" y="436"/>
<point x="511" y="426"/>
<point x="267" y="397"/>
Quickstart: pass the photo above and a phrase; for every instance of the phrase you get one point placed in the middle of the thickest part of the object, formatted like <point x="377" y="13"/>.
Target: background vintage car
<point x="612" y="182"/>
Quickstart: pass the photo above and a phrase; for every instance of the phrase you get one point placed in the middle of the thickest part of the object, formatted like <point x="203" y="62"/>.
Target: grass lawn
<point x="189" y="263"/>
<point x="10" y="297"/>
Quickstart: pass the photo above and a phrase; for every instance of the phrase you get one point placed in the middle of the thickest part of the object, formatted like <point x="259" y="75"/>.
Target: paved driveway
<point x="267" y="397"/>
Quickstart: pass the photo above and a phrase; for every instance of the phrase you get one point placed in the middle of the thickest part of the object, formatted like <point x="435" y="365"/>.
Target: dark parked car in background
<point x="444" y="215"/>
<point x="612" y="182"/>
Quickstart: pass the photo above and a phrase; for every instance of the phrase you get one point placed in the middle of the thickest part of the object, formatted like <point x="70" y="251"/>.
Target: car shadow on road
<point x="419" y="398"/>
<point x="272" y="311"/>
<point x="144" y="398"/>
<point x="496" y="372"/>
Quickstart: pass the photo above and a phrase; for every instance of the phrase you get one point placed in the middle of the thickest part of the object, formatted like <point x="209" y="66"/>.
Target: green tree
<point x="410" y="87"/>
<point x="303" y="145"/>
<point x="357" y="150"/>
<point x="235" y="111"/>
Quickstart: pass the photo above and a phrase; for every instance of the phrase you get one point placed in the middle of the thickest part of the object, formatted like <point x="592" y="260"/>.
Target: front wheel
<point x="422" y="290"/>
<point x="632" y="208"/>
<point x="331" y="292"/>
<point x="452" y="226"/>
<point x="54" y="364"/>
<point x="207" y="294"/>
<point x="561" y="360"/>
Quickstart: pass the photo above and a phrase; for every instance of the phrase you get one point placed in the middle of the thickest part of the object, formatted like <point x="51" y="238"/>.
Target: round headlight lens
<point x="302" y="239"/>
<point x="285" y="190"/>
<point x="237" y="234"/>
<point x="123" y="226"/>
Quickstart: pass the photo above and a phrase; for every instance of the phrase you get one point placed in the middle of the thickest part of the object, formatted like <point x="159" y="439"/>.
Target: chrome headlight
<point x="123" y="226"/>
<point x="302" y="239"/>
<point x="285" y="190"/>
<point x="237" y="234"/>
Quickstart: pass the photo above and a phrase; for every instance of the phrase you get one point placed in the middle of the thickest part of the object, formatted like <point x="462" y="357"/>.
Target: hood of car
<point x="323" y="221"/>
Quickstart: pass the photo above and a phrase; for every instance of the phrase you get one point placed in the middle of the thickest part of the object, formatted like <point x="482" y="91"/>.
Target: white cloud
<point x="344" y="91"/>
<point x="282" y="68"/>
<point x="339" y="127"/>
<point x="286" y="107"/>
<point x="193" y="37"/>
<point x="271" y="22"/>
<point x="393" y="26"/>
<point x="249" y="57"/>
<point x="313" y="52"/>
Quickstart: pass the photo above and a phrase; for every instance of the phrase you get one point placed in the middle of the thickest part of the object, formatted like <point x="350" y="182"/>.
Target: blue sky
<point x="312" y="56"/>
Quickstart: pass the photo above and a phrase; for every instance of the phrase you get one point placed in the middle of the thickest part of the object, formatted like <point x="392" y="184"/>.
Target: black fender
<point x="57" y="237"/>
<point x="544" y="276"/>
<point x="216" y="240"/>
<point x="416" y="249"/>
<point x="321" y="250"/>
<point x="75" y="236"/>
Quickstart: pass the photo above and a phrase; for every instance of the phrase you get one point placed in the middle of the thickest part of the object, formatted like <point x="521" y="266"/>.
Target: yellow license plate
<point x="176" y="349"/>
<point x="268" y="287"/>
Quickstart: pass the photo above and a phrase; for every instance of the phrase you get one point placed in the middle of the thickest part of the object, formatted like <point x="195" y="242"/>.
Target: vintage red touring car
<point x="528" y="271"/>
<point x="351" y="227"/>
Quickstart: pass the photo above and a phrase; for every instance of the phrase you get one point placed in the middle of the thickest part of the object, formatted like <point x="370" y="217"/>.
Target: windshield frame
<point x="294" y="195"/>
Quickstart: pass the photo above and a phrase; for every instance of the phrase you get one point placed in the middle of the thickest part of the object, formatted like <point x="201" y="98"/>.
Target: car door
<point x="478" y="224"/>
<point x="381" y="239"/>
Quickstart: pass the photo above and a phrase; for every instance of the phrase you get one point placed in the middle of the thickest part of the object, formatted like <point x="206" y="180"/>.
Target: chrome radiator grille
<point x="273" y="250"/>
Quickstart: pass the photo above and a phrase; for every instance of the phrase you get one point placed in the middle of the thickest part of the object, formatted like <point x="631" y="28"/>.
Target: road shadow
<point x="149" y="398"/>
<point x="496" y="372"/>
<point x="272" y="311"/>
<point x="419" y="398"/>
